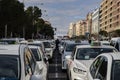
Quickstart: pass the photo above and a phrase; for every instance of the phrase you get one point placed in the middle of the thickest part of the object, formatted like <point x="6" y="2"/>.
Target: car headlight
<point x="79" y="71"/>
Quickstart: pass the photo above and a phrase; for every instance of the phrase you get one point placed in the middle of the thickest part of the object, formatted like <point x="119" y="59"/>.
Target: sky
<point x="61" y="13"/>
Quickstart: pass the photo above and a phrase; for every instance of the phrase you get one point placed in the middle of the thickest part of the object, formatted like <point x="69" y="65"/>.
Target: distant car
<point x="105" y="43"/>
<point x="105" y="67"/>
<point x="40" y="59"/>
<point x="18" y="63"/>
<point x="48" y="49"/>
<point x="82" y="57"/>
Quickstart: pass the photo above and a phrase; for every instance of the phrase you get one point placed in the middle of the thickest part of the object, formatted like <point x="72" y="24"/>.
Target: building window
<point x="111" y="9"/>
<point x="106" y="7"/>
<point x="106" y="1"/>
<point x="110" y="14"/>
<point x="118" y="10"/>
<point x="105" y="17"/>
<point x="117" y="16"/>
<point x="105" y="12"/>
<point x="105" y="28"/>
<point x="118" y="4"/>
<point x="110" y="20"/>
<point x="117" y="23"/>
<point x="110" y="25"/>
<point x="111" y="3"/>
<point x="105" y="22"/>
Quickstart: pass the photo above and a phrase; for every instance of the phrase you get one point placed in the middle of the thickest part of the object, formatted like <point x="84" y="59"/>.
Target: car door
<point x="102" y="70"/>
<point x="98" y="69"/>
<point x="29" y="64"/>
<point x="93" y="68"/>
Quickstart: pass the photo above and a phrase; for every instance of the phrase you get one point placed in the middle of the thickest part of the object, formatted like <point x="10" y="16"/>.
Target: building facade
<point x="72" y="30"/>
<point x="110" y="15"/>
<point x="95" y="22"/>
<point x="89" y="24"/>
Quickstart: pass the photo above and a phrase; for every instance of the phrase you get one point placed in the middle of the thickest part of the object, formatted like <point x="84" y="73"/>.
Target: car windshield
<point x="116" y="70"/>
<point x="70" y="47"/>
<point x="36" y="53"/>
<point x="87" y="53"/>
<point x="46" y="44"/>
<point x="9" y="68"/>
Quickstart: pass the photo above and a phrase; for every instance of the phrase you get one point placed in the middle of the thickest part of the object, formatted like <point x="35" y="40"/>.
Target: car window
<point x="88" y="53"/>
<point x="47" y="44"/>
<point x="29" y="62"/>
<point x="102" y="71"/>
<point x="116" y="70"/>
<point x="70" y="47"/>
<point x="36" y="53"/>
<point x="95" y="66"/>
<point x="9" y="68"/>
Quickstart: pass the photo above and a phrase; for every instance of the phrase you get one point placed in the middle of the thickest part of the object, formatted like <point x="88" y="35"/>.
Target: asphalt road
<point x="55" y="72"/>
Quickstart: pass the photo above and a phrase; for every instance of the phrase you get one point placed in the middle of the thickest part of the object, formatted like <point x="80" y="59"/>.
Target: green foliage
<point x="19" y="21"/>
<point x="103" y="33"/>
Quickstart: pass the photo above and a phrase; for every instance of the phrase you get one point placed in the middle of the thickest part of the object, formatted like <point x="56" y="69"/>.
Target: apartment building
<point x="110" y="15"/>
<point x="95" y="22"/>
<point x="72" y="30"/>
<point x="89" y="24"/>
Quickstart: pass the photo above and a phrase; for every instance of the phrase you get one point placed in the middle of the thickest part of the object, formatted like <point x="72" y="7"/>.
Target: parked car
<point x="105" y="67"/>
<point x="81" y="58"/>
<point x="41" y="60"/>
<point x="48" y="49"/>
<point x="18" y="63"/>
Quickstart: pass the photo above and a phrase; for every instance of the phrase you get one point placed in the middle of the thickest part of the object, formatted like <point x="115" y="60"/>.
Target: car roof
<point x="9" y="49"/>
<point x="89" y="46"/>
<point x="114" y="55"/>
<point x="32" y="46"/>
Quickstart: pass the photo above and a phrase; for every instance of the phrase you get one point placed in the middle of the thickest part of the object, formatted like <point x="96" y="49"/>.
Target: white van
<point x="115" y="42"/>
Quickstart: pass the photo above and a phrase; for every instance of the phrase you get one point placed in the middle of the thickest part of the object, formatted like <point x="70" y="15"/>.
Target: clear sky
<point x="62" y="12"/>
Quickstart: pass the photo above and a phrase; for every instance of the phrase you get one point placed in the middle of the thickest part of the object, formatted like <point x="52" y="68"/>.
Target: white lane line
<point x="56" y="75"/>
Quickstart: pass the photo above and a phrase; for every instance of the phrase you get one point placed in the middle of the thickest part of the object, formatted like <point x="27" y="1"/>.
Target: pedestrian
<point x="57" y="43"/>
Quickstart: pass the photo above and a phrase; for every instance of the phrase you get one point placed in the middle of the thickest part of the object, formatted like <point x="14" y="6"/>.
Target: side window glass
<point x="94" y="66"/>
<point x="102" y="71"/>
<point x="30" y="59"/>
<point x="28" y="70"/>
<point x="73" y="53"/>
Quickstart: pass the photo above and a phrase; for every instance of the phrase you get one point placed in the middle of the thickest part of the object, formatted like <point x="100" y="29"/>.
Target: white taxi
<point x="18" y="63"/>
<point x="105" y="67"/>
<point x="82" y="57"/>
<point x="40" y="59"/>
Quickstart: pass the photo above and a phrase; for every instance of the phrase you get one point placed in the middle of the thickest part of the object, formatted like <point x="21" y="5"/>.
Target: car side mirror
<point x="36" y="77"/>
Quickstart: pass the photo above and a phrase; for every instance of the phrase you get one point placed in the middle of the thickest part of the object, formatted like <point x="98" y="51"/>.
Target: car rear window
<point x="9" y="68"/>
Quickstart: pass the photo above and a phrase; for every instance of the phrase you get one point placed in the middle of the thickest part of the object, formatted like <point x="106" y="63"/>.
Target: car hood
<point x="85" y="64"/>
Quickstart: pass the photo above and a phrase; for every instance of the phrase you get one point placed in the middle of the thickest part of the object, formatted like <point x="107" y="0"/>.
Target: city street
<point x="55" y="72"/>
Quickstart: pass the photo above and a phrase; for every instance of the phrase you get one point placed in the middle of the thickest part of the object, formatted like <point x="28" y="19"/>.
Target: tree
<point x="116" y="33"/>
<point x="103" y="33"/>
<point x="12" y="15"/>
